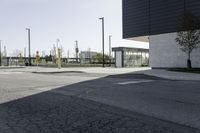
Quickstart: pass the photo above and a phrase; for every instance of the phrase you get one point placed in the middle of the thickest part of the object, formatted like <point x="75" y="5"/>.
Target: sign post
<point x="37" y="58"/>
<point x="59" y="58"/>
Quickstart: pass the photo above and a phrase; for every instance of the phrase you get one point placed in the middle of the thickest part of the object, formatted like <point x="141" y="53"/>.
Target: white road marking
<point x="134" y="82"/>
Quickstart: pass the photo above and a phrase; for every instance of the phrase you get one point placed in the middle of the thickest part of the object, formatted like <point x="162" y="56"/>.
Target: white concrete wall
<point x="118" y="59"/>
<point x="164" y="52"/>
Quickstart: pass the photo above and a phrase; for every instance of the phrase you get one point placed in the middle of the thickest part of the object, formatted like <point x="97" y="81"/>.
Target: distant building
<point x="87" y="54"/>
<point x="131" y="57"/>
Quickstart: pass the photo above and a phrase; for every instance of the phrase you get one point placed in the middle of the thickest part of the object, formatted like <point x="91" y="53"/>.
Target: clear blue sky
<point x="68" y="20"/>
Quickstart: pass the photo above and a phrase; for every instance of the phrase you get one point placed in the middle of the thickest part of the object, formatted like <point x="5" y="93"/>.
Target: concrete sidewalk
<point x="97" y="70"/>
<point x="172" y="75"/>
<point x="110" y="71"/>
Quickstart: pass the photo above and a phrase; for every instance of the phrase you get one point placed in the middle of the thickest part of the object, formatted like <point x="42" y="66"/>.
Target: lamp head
<point x="101" y="18"/>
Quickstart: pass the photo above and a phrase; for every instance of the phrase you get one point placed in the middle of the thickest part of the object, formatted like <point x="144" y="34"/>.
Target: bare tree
<point x="62" y="51"/>
<point x="188" y="38"/>
<point x="16" y="53"/>
<point x="54" y="54"/>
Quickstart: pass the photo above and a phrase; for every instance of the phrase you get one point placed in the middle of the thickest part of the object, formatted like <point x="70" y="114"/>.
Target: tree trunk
<point x="189" y="63"/>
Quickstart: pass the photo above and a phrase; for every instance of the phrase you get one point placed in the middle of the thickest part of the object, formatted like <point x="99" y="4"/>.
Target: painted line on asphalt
<point x="135" y="82"/>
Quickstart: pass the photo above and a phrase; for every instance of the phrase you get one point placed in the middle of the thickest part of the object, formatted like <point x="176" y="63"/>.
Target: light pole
<point x="102" y="19"/>
<point x="25" y="52"/>
<point x="58" y="54"/>
<point x="76" y="50"/>
<point x="89" y="50"/>
<point x="57" y="42"/>
<point x="110" y="48"/>
<point x="29" y="45"/>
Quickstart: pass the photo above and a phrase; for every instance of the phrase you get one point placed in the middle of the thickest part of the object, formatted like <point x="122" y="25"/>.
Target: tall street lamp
<point x="29" y="45"/>
<point x="57" y="47"/>
<point x="110" y="48"/>
<point x="76" y="50"/>
<point x="102" y="19"/>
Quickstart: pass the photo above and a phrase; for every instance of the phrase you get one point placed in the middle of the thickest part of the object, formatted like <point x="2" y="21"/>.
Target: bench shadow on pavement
<point x="54" y="112"/>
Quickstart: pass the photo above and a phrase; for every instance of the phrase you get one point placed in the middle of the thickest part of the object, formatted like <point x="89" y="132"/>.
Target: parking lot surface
<point x="93" y="102"/>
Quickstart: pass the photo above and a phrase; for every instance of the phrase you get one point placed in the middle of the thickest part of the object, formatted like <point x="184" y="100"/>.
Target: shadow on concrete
<point x="58" y="72"/>
<point x="63" y="111"/>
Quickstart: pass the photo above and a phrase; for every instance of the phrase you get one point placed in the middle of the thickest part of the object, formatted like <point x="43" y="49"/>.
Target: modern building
<point x="131" y="57"/>
<point x="157" y="22"/>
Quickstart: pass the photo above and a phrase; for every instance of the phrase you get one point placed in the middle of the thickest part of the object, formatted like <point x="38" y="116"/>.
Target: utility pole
<point x="76" y="50"/>
<point x="102" y="19"/>
<point x="29" y="45"/>
<point x="68" y="53"/>
<point x="110" y="45"/>
<point x="25" y="52"/>
<point x="59" y="58"/>
<point x="58" y="54"/>
<point x="5" y="51"/>
<point x="0" y="55"/>
<point x="68" y="56"/>
<point x="89" y="50"/>
<point x="57" y="41"/>
<point x="110" y="48"/>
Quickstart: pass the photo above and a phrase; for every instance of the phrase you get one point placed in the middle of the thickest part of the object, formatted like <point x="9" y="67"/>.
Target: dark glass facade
<point x="151" y="17"/>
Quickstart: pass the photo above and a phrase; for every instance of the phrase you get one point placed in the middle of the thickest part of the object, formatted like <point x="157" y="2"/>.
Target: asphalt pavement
<point x="93" y="102"/>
